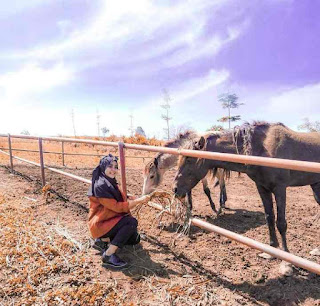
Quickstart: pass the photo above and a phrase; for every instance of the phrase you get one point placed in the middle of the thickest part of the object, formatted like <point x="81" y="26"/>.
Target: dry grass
<point x="44" y="263"/>
<point x="188" y="290"/>
<point x="35" y="256"/>
<point x="47" y="265"/>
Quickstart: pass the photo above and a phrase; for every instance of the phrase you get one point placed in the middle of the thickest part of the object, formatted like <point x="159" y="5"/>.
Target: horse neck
<point x="168" y="161"/>
<point x="225" y="144"/>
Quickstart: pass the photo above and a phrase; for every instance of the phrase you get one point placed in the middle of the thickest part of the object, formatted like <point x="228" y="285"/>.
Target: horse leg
<point x="266" y="197"/>
<point x="223" y="195"/>
<point x="189" y="200"/>
<point x="208" y="194"/>
<point x="316" y="193"/>
<point x="220" y="175"/>
<point x="280" y="195"/>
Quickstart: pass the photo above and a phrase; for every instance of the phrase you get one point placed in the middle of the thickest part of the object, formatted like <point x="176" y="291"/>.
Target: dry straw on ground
<point x="43" y="264"/>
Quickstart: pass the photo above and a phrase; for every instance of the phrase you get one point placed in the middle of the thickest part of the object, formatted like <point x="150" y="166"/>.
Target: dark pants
<point x="124" y="232"/>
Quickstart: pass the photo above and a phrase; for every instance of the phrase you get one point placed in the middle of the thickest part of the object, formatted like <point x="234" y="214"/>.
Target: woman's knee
<point x="134" y="239"/>
<point x="133" y="222"/>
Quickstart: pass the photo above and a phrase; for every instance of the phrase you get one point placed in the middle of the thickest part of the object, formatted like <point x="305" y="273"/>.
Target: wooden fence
<point x="251" y="160"/>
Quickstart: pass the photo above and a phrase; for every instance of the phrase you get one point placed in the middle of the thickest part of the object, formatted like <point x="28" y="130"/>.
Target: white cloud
<point x="120" y="34"/>
<point x="149" y="115"/>
<point x="195" y="86"/>
<point x="275" y="104"/>
<point x="301" y="101"/>
<point x="32" y="78"/>
<point x="137" y="22"/>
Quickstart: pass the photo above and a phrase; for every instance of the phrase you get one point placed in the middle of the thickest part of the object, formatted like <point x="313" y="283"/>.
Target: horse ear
<point x="155" y="162"/>
<point x="200" y="144"/>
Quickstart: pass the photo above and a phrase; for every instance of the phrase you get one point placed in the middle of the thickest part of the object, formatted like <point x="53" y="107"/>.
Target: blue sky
<point x="117" y="56"/>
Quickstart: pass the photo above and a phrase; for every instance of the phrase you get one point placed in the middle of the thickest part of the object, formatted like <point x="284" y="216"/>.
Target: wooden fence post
<point x="10" y="152"/>
<point x="41" y="163"/>
<point x="123" y="169"/>
<point x="62" y="149"/>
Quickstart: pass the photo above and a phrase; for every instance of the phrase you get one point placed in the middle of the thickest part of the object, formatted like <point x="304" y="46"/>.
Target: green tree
<point x="309" y="125"/>
<point x="229" y="101"/>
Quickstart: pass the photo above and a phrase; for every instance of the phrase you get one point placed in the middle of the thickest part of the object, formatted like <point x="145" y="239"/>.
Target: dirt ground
<point x="203" y="268"/>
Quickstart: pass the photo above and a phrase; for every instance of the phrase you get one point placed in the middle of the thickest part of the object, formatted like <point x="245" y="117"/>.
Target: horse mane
<point x="180" y="139"/>
<point x="244" y="134"/>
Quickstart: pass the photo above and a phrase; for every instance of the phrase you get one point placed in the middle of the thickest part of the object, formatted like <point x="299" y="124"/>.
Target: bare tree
<point x="309" y="126"/>
<point x="180" y="129"/>
<point x="25" y="132"/>
<point x="98" y="122"/>
<point x="131" y="128"/>
<point x="73" y="124"/>
<point x="229" y="101"/>
<point x="166" y="107"/>
<point x="216" y="128"/>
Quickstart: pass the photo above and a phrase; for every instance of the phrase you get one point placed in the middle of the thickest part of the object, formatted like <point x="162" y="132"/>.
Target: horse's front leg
<point x="316" y="192"/>
<point x="208" y="193"/>
<point x="266" y="197"/>
<point x="280" y="196"/>
<point x="189" y="200"/>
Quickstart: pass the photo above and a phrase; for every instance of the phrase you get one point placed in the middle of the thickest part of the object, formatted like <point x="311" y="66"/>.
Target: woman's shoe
<point x="113" y="261"/>
<point x="100" y="245"/>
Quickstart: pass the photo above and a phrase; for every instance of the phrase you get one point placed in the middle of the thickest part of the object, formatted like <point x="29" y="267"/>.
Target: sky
<point x="114" y="58"/>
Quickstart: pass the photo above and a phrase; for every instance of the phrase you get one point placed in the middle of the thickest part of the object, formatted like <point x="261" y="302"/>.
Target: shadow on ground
<point x="275" y="291"/>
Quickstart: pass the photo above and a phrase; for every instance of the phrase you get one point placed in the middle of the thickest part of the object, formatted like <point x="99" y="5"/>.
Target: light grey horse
<point x="155" y="169"/>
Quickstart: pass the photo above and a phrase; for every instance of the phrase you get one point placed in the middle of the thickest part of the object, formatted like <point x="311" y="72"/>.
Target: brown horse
<point x="258" y="139"/>
<point x="155" y="169"/>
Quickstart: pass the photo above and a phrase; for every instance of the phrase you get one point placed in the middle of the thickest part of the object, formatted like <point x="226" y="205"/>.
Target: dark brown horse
<point x="258" y="139"/>
<point x="155" y="169"/>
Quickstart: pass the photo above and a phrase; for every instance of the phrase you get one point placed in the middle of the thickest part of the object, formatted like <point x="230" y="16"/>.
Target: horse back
<point x="281" y="142"/>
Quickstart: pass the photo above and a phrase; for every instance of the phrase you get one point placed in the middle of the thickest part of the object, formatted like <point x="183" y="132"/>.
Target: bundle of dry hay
<point x="171" y="205"/>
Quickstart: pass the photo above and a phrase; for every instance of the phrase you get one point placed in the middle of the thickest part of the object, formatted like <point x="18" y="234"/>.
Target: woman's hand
<point x="132" y="197"/>
<point x="142" y="200"/>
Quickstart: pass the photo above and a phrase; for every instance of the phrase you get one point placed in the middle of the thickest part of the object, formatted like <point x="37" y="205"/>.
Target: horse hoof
<point x="286" y="269"/>
<point x="265" y="256"/>
<point x="315" y="252"/>
<point x="219" y="212"/>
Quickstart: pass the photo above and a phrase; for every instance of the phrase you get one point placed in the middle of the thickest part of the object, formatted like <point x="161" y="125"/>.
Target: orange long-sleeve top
<point x="104" y="214"/>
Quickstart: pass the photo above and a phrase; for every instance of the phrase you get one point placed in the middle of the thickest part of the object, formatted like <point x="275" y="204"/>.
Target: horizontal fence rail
<point x="253" y="160"/>
<point x="296" y="260"/>
<point x="76" y="177"/>
<point x="71" y="154"/>
<point x="236" y="158"/>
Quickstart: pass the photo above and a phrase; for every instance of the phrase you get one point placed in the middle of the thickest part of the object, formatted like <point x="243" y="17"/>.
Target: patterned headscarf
<point x="103" y="186"/>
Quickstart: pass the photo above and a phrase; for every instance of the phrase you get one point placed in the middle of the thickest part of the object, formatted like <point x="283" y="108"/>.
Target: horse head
<point x="191" y="170"/>
<point x="152" y="176"/>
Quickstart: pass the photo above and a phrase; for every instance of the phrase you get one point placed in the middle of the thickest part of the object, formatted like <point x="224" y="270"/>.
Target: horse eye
<point x="152" y="176"/>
